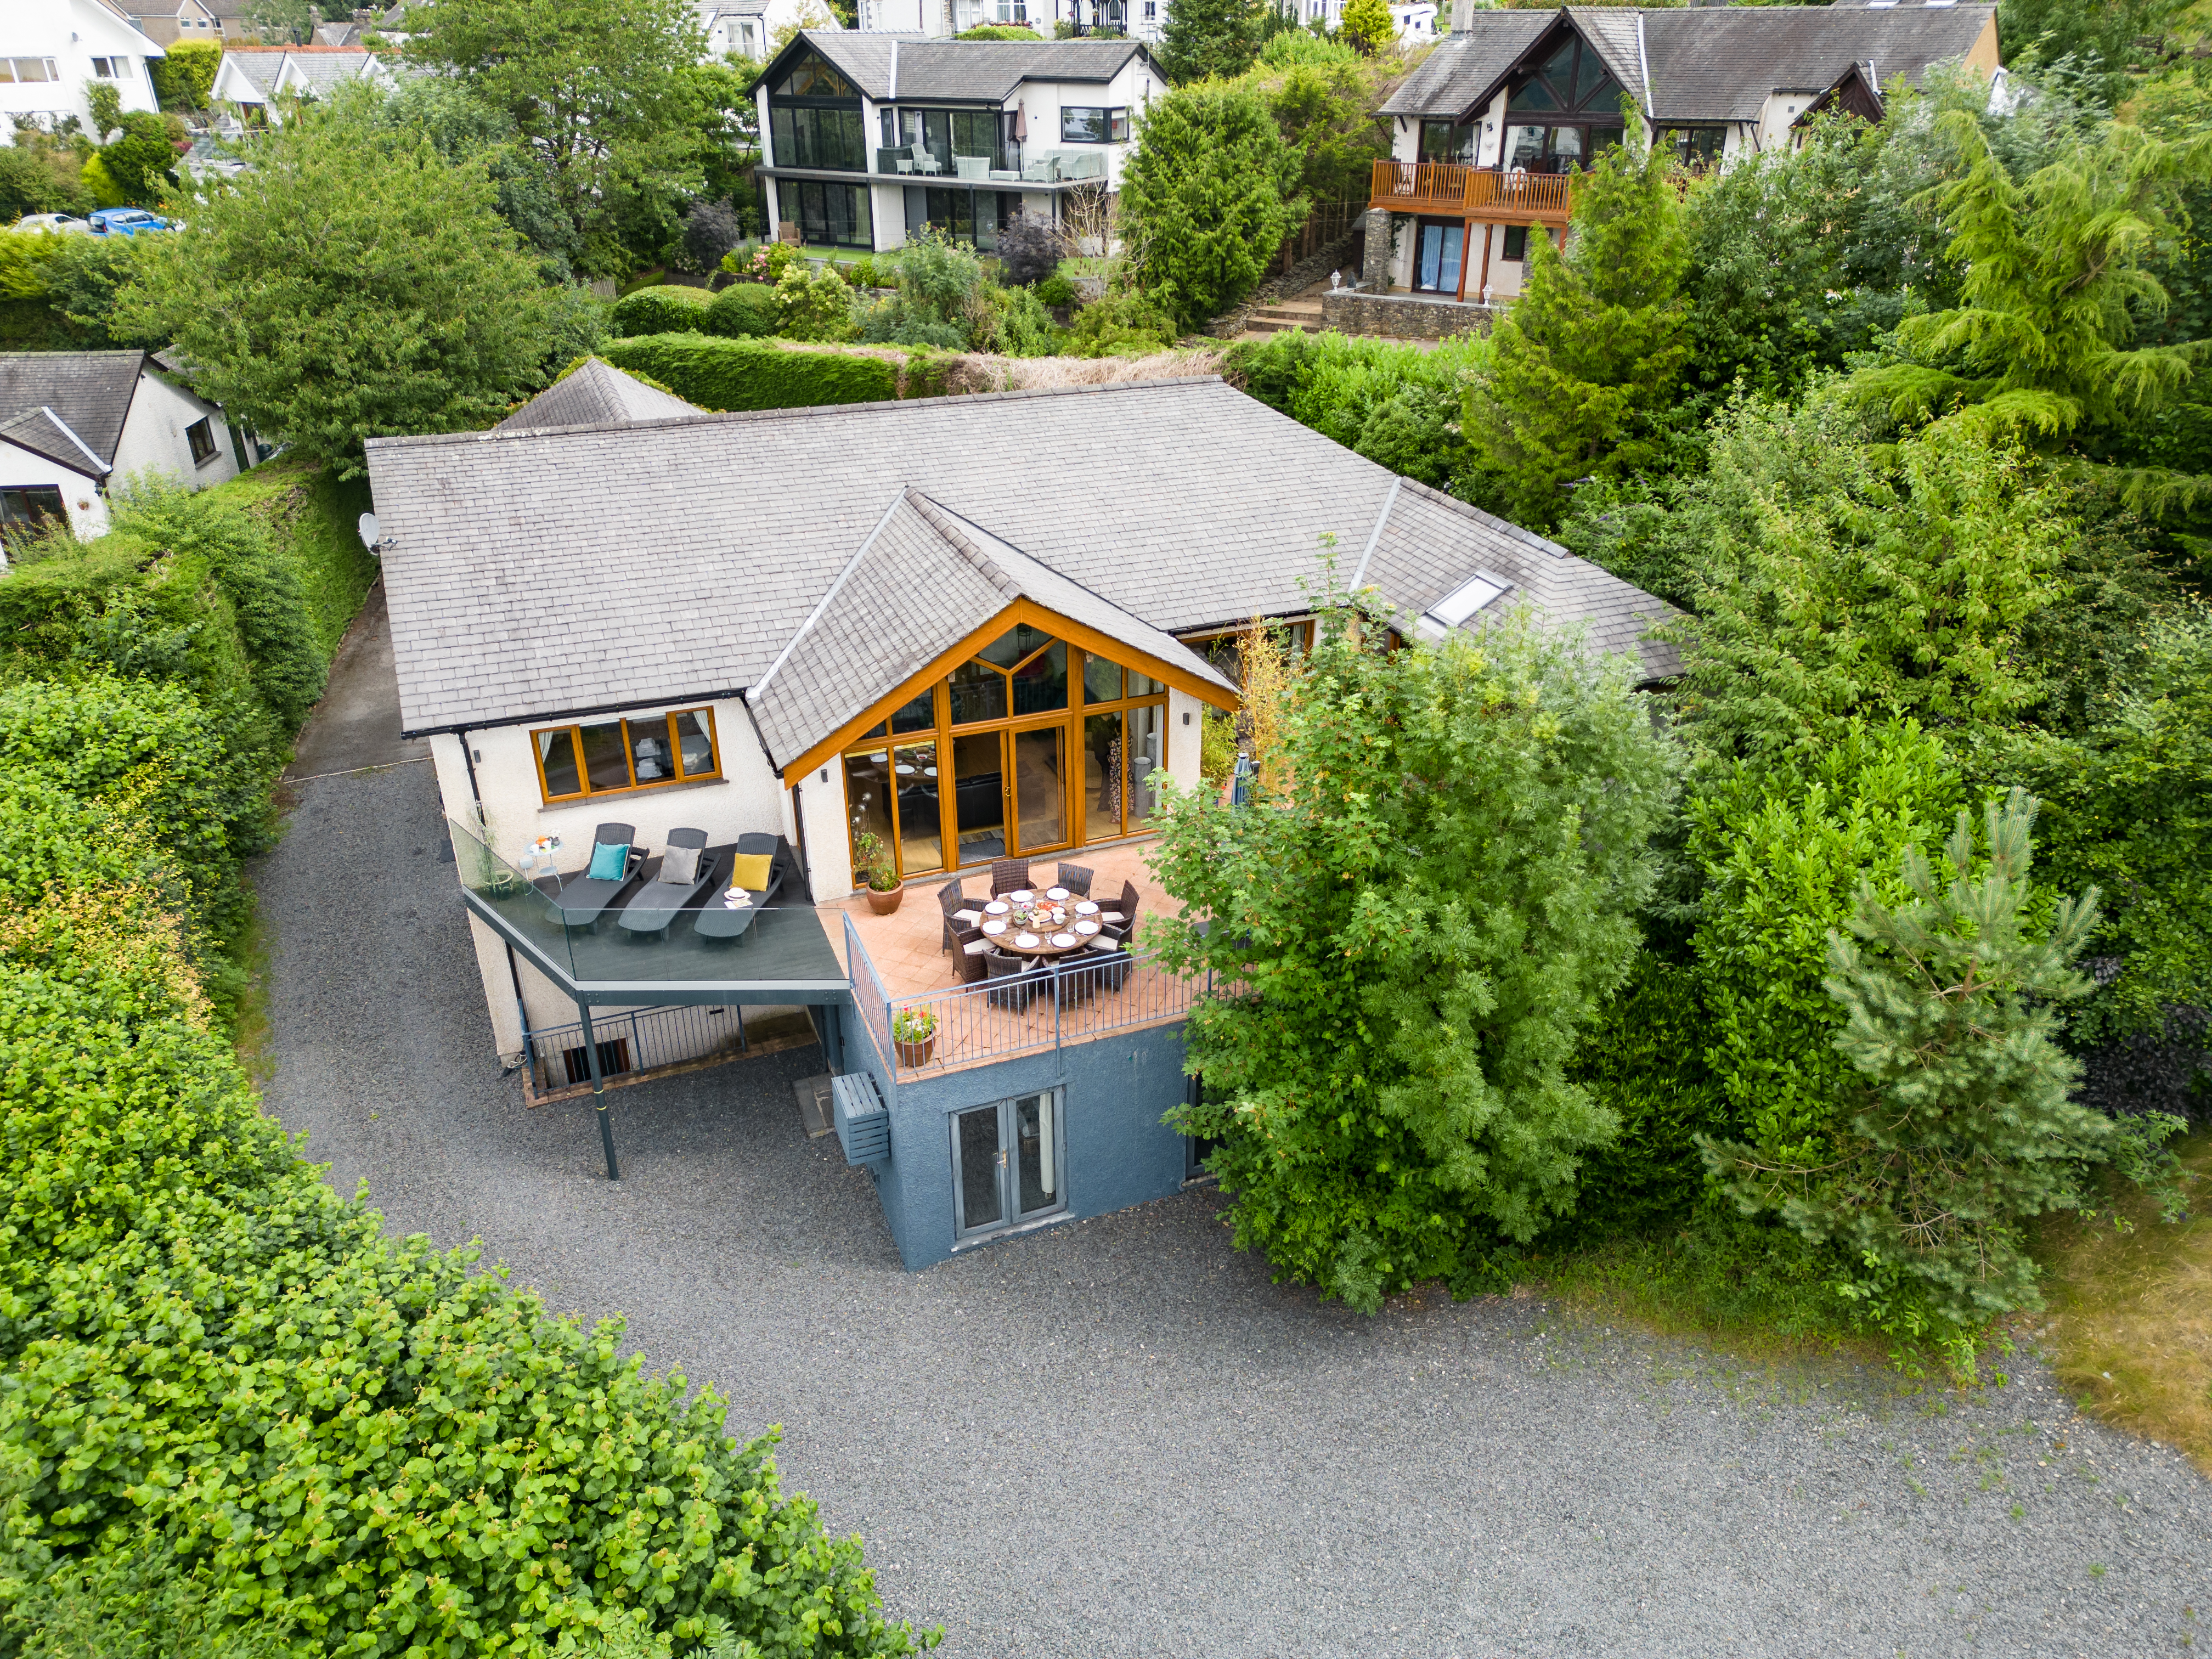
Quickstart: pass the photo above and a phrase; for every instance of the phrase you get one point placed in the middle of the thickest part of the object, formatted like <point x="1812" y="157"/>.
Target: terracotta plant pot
<point x="915" y="1054"/>
<point x="883" y="903"/>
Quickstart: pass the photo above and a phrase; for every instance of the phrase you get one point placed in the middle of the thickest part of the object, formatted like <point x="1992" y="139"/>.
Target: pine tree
<point x="1209" y="38"/>
<point x="1589" y="355"/>
<point x="1964" y="1126"/>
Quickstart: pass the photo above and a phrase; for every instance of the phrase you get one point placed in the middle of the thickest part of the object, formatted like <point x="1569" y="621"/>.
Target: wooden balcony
<point x="1466" y="192"/>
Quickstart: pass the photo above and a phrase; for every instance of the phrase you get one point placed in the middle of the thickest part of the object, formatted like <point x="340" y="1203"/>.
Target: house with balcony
<point x="867" y="138"/>
<point x="1489" y="132"/>
<point x="674" y="723"/>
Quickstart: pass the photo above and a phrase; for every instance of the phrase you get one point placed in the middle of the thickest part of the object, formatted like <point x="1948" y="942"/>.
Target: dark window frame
<point x="1113" y="119"/>
<point x="18" y="511"/>
<point x="1508" y="254"/>
<point x="1685" y="141"/>
<point x="200" y="437"/>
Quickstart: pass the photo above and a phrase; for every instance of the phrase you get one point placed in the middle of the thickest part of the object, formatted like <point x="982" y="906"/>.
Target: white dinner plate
<point x="1086" y="908"/>
<point x="1027" y="941"/>
<point x="1086" y="928"/>
<point x="1022" y="898"/>
<point x="994" y="927"/>
<point x="1055" y="893"/>
<point x="1063" y="940"/>
<point x="996" y="908"/>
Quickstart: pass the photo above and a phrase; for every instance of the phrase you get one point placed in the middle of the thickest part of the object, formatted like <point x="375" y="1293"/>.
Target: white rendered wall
<point x="72" y="32"/>
<point x="1186" y="719"/>
<point x="829" y="839"/>
<point x="154" y="439"/>
<point x="81" y="497"/>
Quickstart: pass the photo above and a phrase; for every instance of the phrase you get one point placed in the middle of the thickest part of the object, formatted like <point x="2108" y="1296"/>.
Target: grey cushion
<point x="971" y="917"/>
<point x="978" y="947"/>
<point x="680" y="865"/>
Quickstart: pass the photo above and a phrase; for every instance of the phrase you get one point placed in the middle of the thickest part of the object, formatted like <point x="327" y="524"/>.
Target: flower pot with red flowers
<point x="914" y="1034"/>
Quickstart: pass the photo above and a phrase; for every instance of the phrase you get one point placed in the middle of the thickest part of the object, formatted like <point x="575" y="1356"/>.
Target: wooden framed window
<point x="605" y="758"/>
<point x="200" y="434"/>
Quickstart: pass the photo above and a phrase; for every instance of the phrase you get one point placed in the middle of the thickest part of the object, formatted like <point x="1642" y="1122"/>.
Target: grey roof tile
<point x="1706" y="63"/>
<point x="536" y="572"/>
<point x="596" y="394"/>
<point x="90" y="391"/>
<point x="978" y="70"/>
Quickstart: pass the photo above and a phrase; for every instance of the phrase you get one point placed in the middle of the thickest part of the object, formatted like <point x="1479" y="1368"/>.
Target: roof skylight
<point x="1462" y="602"/>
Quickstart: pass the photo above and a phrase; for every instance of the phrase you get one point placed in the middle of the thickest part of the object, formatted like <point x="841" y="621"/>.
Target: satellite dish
<point x="371" y="532"/>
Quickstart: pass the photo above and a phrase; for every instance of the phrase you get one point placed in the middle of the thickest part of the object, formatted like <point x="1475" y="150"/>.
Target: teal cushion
<point x="609" y="859"/>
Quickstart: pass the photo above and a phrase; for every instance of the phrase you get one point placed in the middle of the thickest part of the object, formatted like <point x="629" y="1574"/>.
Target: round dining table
<point x="1010" y="939"/>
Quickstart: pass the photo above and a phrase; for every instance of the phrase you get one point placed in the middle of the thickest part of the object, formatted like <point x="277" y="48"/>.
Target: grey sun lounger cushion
<point x="582" y="900"/>
<point x="718" y="921"/>
<point x="657" y="901"/>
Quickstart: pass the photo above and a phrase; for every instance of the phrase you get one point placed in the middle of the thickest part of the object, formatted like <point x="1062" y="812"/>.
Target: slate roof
<point x="262" y="68"/>
<point x="533" y="572"/>
<point x="911" y="67"/>
<point x="1706" y="63"/>
<point x="596" y="394"/>
<point x="323" y="69"/>
<point x="91" y="392"/>
<point x="43" y="433"/>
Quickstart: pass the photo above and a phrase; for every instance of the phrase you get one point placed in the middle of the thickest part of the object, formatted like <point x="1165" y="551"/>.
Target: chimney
<point x="1462" y="16"/>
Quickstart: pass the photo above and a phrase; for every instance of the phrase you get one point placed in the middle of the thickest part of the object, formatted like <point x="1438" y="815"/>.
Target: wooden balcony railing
<point x="1517" y="197"/>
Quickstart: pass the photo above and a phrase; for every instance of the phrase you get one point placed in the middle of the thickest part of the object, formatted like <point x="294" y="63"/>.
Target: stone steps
<point x="1289" y="314"/>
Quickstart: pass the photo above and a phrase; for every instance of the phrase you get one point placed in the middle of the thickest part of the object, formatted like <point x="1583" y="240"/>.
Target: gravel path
<point x="1118" y="1438"/>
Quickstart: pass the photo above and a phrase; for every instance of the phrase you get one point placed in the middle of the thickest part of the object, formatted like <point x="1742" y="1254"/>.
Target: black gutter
<point x="572" y="714"/>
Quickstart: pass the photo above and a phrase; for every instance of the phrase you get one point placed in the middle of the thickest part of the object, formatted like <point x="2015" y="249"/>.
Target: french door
<point x="1010" y="792"/>
<point x="1437" y="256"/>
<point x="1009" y="1163"/>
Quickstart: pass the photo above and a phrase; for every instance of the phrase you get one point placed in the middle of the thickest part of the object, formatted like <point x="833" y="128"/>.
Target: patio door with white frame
<point x="1009" y="1163"/>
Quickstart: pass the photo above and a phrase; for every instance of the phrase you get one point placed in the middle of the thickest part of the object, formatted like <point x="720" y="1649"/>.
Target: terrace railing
<point x="1452" y="187"/>
<point x="642" y="1040"/>
<point x="1075" y="1001"/>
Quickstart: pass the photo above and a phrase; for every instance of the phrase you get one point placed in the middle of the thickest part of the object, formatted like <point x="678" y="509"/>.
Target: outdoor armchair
<point x="1011" y="985"/>
<point x="971" y="953"/>
<point x="1076" y="879"/>
<point x="1009" y="876"/>
<point x="957" y="911"/>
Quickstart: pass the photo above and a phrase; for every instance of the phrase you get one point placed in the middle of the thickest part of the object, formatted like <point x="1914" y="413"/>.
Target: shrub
<point x="813" y="306"/>
<point x="1023" y="327"/>
<point x="999" y="32"/>
<point x="186" y="76"/>
<point x="1394" y="403"/>
<point x="754" y="374"/>
<point x="710" y="231"/>
<point x="743" y="309"/>
<point x="663" y="309"/>
<point x="1121" y="325"/>
<point x="1030" y="250"/>
<point x="1056" y="290"/>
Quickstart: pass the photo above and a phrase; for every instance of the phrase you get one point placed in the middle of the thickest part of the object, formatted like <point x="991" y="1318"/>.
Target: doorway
<point x="1439" y="255"/>
<point x="1009" y="1163"/>
<point x="1009" y="791"/>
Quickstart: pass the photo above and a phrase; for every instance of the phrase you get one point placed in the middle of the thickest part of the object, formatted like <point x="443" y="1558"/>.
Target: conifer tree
<point x="1209" y="38"/>
<point x="1589" y="355"/>
<point x="1964" y="1128"/>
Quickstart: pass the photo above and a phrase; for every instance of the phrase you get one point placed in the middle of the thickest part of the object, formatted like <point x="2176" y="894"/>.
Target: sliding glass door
<point x="1009" y="1163"/>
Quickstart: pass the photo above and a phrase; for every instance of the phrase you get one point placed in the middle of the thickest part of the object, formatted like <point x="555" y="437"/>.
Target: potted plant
<point x="875" y="873"/>
<point x="914" y="1034"/>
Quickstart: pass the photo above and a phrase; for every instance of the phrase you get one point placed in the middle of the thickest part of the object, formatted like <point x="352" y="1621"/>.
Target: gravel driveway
<point x="1119" y="1438"/>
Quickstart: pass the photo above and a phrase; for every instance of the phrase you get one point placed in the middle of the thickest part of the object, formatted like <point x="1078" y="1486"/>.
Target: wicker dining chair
<point x="1076" y="879"/>
<point x="970" y="952"/>
<point x="1009" y="876"/>
<point x="958" y="911"/>
<point x="1123" y="909"/>
<point x="1012" y="984"/>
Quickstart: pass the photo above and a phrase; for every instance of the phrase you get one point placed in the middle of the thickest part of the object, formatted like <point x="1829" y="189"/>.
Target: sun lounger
<point x="658" y="902"/>
<point x="715" y="920"/>
<point x="584" y="897"/>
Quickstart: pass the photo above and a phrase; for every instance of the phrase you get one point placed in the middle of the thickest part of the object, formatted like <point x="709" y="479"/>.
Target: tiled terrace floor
<point x="906" y="950"/>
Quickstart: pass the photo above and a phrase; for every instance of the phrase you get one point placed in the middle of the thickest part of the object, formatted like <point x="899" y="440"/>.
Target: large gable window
<point x="814" y="119"/>
<point x="1030" y="745"/>
<point x="1572" y="86"/>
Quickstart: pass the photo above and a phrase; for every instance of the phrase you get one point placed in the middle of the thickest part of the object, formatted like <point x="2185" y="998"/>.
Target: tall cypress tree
<point x="1203" y="38"/>
<point x="1589" y="355"/>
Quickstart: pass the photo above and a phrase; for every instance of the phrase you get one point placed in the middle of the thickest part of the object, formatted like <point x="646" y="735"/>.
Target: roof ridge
<point x="736" y="416"/>
<point x="822" y="605"/>
<point x="949" y="529"/>
<point x="1469" y="510"/>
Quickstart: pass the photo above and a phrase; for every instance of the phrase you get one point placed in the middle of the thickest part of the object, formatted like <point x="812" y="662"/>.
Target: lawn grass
<point x="2130" y="1325"/>
<point x="315" y="519"/>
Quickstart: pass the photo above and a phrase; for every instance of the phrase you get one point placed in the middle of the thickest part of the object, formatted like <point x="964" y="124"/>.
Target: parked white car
<point x="53" y="223"/>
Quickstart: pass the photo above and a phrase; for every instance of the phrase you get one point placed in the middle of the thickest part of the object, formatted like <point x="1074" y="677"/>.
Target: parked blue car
<point x="126" y="222"/>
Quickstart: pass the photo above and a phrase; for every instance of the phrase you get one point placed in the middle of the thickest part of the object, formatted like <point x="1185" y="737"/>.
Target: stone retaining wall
<point x="1298" y="278"/>
<point x="1402" y="316"/>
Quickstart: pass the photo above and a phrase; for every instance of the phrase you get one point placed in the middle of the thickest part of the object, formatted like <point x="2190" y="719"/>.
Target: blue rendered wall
<point x="1117" y="1089"/>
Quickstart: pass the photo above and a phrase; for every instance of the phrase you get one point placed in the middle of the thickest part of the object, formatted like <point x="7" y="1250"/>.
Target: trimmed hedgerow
<point x="666" y="309"/>
<point x="717" y="373"/>
<point x="743" y="310"/>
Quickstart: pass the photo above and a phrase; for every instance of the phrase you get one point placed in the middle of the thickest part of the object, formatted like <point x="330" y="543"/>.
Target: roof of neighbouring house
<point x="906" y="67"/>
<point x="596" y="394"/>
<point x="533" y="571"/>
<point x="88" y="393"/>
<point x="1704" y="62"/>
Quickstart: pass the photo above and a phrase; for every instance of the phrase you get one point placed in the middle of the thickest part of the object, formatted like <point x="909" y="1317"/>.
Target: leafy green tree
<point x="1394" y="402"/>
<point x="2041" y="345"/>
<point x="1204" y="39"/>
<point x="1207" y="199"/>
<point x="1326" y="103"/>
<point x="1420" y="914"/>
<point x="1368" y="25"/>
<point x="1961" y="1129"/>
<point x="284" y="21"/>
<point x="611" y="101"/>
<point x="143" y="159"/>
<point x="184" y="76"/>
<point x="352" y="283"/>
<point x="1589" y="356"/>
<point x="464" y="127"/>
<point x="2097" y="37"/>
<point x="40" y="179"/>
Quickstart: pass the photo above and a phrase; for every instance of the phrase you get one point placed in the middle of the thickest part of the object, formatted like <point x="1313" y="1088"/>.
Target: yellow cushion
<point x="750" y="870"/>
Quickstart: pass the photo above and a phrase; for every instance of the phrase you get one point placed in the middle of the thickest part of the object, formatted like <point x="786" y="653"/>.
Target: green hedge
<point x="743" y="310"/>
<point x="717" y="373"/>
<point x="663" y="309"/>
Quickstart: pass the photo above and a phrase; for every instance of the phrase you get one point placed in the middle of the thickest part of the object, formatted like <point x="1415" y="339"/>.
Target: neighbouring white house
<point x="53" y="52"/>
<point x="253" y="86"/>
<point x="748" y="28"/>
<point x="1489" y="131"/>
<point x="168" y="21"/>
<point x="867" y="138"/>
<point x="74" y="422"/>
<point x="941" y="20"/>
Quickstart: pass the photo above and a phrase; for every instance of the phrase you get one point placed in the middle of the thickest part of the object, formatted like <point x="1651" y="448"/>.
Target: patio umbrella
<point x="1021" y="124"/>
